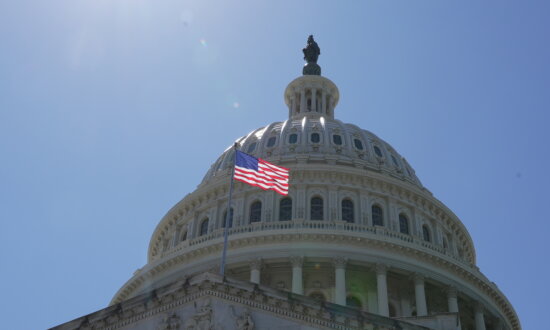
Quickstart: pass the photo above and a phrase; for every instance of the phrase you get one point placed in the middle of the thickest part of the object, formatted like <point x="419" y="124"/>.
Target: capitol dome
<point x="357" y="228"/>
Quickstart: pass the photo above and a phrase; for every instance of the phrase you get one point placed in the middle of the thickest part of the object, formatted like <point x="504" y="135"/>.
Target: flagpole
<point x="228" y="213"/>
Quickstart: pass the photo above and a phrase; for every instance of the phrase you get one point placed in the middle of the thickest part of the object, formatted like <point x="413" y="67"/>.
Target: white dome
<point x="354" y="205"/>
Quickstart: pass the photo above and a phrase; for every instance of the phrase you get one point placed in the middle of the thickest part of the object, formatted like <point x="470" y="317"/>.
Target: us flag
<point x="257" y="172"/>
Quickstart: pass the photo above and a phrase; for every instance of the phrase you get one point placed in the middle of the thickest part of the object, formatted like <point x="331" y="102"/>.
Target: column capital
<point x="451" y="291"/>
<point x="479" y="307"/>
<point x="381" y="269"/>
<point x="255" y="264"/>
<point x="418" y="278"/>
<point x="296" y="261"/>
<point x="339" y="262"/>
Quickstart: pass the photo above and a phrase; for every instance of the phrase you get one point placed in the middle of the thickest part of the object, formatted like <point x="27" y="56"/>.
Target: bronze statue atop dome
<point x="311" y="54"/>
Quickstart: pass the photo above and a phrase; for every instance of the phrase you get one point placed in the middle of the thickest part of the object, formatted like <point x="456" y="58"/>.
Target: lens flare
<point x="236" y="105"/>
<point x="203" y="42"/>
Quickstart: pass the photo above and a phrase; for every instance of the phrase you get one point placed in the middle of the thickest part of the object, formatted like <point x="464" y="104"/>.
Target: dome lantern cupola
<point x="311" y="94"/>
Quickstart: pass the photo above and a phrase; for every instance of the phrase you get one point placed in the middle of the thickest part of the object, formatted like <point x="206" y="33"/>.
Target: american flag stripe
<point x="259" y="173"/>
<point x="259" y="177"/>
<point x="272" y="175"/>
<point x="261" y="185"/>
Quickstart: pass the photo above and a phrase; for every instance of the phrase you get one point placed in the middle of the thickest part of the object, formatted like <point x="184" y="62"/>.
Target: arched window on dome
<point x="445" y="243"/>
<point x="377" y="216"/>
<point x="316" y="210"/>
<point x="315" y="138"/>
<point x="337" y="139"/>
<point x="378" y="152"/>
<point x="426" y="233"/>
<point x="353" y="301"/>
<point x="184" y="236"/>
<point x="251" y="148"/>
<point x="256" y="212"/>
<point x="285" y="209"/>
<point x="271" y="141"/>
<point x="203" y="229"/>
<point x="347" y="210"/>
<point x="403" y="224"/>
<point x="358" y="144"/>
<point x="318" y="296"/>
<point x="293" y="138"/>
<point x="225" y="218"/>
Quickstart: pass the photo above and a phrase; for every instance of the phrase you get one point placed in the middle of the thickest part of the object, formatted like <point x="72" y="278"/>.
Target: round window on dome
<point x="337" y="139"/>
<point x="271" y="141"/>
<point x="358" y="144"/>
<point x="293" y="138"/>
<point x="315" y="138"/>
<point x="377" y="151"/>
<point x="251" y="147"/>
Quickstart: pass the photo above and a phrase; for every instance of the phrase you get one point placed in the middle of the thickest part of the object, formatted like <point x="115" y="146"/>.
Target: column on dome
<point x="300" y="202"/>
<point x="213" y="217"/>
<point x="240" y="210"/>
<point x="382" y="289"/>
<point x="176" y="235"/>
<point x="437" y="239"/>
<point x="324" y="101"/>
<point x="313" y="100"/>
<point x="479" y="317"/>
<point x="269" y="207"/>
<point x="303" y="100"/>
<point x="292" y="105"/>
<point x="420" y="295"/>
<point x="191" y="226"/>
<point x="332" y="204"/>
<point x="332" y="105"/>
<point x="255" y="266"/>
<point x="297" y="275"/>
<point x="452" y="300"/>
<point x="340" y="279"/>
<point x="363" y="209"/>
<point x="392" y="216"/>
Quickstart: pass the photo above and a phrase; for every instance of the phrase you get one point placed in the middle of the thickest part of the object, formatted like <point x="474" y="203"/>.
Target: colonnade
<point x="340" y="291"/>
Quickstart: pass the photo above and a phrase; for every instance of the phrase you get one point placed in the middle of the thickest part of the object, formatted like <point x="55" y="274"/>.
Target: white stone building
<point x="357" y="229"/>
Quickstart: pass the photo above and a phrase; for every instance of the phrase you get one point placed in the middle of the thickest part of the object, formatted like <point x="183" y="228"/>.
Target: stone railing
<point x="318" y="227"/>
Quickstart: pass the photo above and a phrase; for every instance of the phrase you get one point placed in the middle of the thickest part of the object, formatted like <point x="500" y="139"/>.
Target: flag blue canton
<point x="246" y="161"/>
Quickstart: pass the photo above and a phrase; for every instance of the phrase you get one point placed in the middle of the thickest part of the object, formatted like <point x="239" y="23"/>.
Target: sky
<point x="112" y="111"/>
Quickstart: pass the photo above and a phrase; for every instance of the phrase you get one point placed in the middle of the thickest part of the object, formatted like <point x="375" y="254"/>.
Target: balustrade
<point x="371" y="232"/>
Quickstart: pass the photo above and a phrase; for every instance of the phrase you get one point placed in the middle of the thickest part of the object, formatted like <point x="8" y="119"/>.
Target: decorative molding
<point x="418" y="279"/>
<point x="339" y="262"/>
<point x="296" y="261"/>
<point x="381" y="269"/>
<point x="451" y="292"/>
<point x="255" y="264"/>
<point x="170" y="322"/>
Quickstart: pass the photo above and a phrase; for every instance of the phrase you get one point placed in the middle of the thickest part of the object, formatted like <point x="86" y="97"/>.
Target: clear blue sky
<point x="112" y="111"/>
